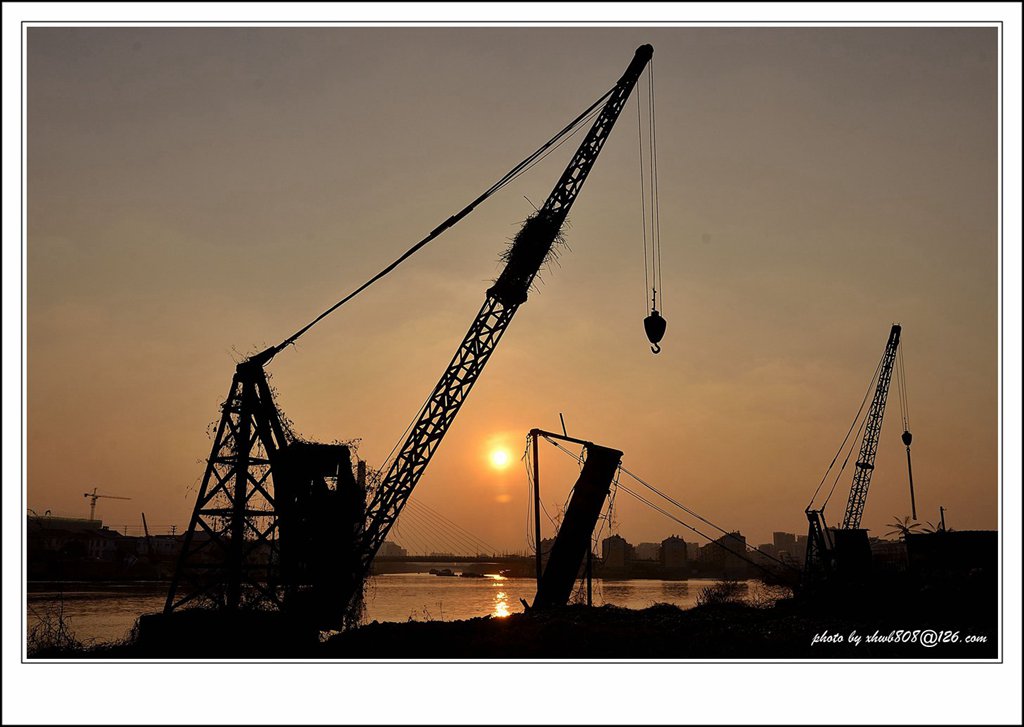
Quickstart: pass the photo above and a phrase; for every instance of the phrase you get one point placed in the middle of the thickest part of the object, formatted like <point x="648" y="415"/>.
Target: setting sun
<point x="500" y="459"/>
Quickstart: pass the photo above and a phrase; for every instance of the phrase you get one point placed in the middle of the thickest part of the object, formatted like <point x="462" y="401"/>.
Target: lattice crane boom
<point x="525" y="258"/>
<point x="872" y="431"/>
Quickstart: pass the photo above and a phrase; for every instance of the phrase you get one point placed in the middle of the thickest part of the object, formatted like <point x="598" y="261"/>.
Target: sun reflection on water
<point x="500" y="605"/>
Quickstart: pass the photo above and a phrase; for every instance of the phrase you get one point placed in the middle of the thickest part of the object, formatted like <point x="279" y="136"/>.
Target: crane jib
<point x="872" y="432"/>
<point x="523" y="261"/>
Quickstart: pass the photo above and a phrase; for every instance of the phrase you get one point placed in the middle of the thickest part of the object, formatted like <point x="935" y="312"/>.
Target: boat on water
<point x="442" y="572"/>
<point x="471" y="574"/>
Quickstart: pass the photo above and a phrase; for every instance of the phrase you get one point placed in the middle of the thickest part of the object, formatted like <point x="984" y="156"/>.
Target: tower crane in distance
<point x="281" y="523"/>
<point x="846" y="548"/>
<point x="93" y="497"/>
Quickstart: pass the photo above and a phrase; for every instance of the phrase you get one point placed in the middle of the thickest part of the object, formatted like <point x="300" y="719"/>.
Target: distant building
<point x="888" y="555"/>
<point x="674" y="552"/>
<point x="692" y="552"/>
<point x="784" y="541"/>
<point x="648" y="551"/>
<point x="724" y="553"/>
<point x="616" y="552"/>
<point x="786" y="548"/>
<point x="957" y="554"/>
<point x="76" y="548"/>
<point x="545" y="549"/>
<point x="164" y="546"/>
<point x="801" y="550"/>
<point x="392" y="550"/>
<point x="70" y="536"/>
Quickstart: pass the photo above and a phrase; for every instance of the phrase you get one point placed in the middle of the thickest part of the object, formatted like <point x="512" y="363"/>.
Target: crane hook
<point x="654" y="326"/>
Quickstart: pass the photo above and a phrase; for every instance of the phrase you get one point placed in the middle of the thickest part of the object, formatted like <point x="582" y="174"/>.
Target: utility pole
<point x="536" y="505"/>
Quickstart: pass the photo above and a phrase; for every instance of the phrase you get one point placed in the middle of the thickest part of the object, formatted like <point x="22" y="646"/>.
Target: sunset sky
<point x="197" y="194"/>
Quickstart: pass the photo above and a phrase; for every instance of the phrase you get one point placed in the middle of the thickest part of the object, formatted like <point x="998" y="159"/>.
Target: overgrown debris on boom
<point x="536" y="243"/>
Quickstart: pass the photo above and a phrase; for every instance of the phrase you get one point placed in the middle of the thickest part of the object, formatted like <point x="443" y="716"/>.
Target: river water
<point x="103" y="612"/>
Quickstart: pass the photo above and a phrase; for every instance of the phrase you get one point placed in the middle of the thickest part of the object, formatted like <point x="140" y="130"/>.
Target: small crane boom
<point x="872" y="430"/>
<point x="847" y="546"/>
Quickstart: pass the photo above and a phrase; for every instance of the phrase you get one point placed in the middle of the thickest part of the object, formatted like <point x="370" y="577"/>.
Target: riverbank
<point x="105" y="612"/>
<point x="872" y="625"/>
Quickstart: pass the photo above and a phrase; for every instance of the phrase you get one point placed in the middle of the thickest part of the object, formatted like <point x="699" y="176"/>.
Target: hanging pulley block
<point x="907" y="437"/>
<point x="654" y="325"/>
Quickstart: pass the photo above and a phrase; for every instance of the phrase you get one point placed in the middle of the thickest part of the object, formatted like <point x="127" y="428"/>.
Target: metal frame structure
<point x="230" y="550"/>
<point x="573" y="541"/>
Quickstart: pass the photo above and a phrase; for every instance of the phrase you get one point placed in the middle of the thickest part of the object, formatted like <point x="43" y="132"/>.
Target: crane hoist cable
<point x="666" y="513"/>
<point x="654" y="323"/>
<point x="707" y="537"/>
<point x="853" y="424"/>
<point x="678" y="504"/>
<point x="846" y="460"/>
<point x="548" y="146"/>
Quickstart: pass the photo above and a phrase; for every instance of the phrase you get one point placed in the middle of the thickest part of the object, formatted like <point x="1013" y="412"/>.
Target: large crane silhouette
<point x="283" y="523"/>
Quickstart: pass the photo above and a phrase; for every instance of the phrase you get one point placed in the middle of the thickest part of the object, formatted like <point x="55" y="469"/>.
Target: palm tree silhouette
<point x="902" y="527"/>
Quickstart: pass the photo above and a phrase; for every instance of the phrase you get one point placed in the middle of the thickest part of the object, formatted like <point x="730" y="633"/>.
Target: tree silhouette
<point x="902" y="527"/>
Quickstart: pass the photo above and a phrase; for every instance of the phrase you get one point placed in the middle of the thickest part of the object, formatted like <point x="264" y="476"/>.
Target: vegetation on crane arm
<point x="534" y="246"/>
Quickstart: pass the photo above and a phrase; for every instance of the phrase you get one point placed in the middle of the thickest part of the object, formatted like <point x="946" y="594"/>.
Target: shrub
<point x="721" y="592"/>
<point x="52" y="633"/>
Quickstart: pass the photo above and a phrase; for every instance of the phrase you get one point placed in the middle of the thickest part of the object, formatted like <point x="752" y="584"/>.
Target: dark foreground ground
<point x="876" y="624"/>
<point x="727" y="631"/>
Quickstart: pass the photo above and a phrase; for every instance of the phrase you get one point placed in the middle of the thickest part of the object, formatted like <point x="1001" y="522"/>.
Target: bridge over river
<point x="516" y="566"/>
